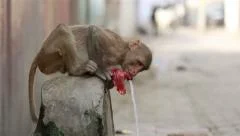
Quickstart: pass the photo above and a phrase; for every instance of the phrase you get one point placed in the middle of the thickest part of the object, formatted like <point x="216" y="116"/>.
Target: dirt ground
<point x="192" y="87"/>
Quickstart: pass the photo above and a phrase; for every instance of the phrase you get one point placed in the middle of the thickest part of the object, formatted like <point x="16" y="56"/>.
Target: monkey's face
<point x="132" y="63"/>
<point x="133" y="68"/>
<point x="137" y="59"/>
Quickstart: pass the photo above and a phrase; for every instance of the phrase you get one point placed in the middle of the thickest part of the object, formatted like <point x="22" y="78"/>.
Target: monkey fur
<point x="66" y="50"/>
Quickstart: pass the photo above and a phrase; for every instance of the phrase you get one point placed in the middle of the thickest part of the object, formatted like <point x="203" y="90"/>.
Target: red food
<point x="118" y="77"/>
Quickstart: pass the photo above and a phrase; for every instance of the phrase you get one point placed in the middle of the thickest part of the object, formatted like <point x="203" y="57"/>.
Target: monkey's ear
<point x="134" y="44"/>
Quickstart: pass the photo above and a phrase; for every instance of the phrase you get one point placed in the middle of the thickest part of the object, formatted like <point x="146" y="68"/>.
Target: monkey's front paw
<point x="91" y="67"/>
<point x="107" y="74"/>
<point x="104" y="75"/>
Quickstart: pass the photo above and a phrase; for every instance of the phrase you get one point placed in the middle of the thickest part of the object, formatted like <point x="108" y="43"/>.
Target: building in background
<point x="198" y="14"/>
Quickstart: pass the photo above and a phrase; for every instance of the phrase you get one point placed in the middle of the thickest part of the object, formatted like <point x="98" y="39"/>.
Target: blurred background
<point x="192" y="86"/>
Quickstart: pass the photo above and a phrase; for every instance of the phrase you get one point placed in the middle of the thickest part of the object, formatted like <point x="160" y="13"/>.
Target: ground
<point x="192" y="87"/>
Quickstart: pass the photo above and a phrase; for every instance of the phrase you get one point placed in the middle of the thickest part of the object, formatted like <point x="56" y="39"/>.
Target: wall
<point x="24" y="24"/>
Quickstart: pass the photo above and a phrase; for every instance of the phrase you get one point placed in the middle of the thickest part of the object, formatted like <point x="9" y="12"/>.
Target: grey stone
<point x="78" y="106"/>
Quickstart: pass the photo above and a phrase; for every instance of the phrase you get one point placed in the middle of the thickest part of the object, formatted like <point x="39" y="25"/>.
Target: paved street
<point x="193" y="87"/>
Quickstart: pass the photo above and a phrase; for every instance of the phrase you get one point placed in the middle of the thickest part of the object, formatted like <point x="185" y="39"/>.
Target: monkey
<point x="85" y="49"/>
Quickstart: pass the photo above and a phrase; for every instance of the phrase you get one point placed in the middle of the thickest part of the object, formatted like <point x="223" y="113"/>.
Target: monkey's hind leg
<point x="76" y="64"/>
<point x="62" y="41"/>
<point x="60" y="47"/>
<point x="51" y="63"/>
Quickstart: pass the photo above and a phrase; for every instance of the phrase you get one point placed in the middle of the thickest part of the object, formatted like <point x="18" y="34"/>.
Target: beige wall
<point x="24" y="25"/>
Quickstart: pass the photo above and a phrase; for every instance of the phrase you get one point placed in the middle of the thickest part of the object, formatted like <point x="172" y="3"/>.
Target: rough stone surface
<point x="79" y="106"/>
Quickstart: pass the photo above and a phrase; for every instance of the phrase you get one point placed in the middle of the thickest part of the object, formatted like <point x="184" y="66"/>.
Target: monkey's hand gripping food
<point x="118" y="77"/>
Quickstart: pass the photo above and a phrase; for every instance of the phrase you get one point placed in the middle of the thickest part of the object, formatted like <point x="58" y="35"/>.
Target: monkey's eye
<point x="139" y="63"/>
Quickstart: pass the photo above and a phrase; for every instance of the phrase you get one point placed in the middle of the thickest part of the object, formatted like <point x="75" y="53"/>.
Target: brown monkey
<point x="77" y="50"/>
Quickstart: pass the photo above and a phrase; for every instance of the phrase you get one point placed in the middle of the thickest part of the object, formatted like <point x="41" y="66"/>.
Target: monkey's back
<point x="111" y="45"/>
<point x="80" y="33"/>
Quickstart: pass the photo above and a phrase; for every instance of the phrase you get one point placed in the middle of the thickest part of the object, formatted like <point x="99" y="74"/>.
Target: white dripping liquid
<point x="134" y="107"/>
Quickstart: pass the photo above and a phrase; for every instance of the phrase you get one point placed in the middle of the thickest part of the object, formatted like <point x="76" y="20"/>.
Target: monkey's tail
<point x="31" y="95"/>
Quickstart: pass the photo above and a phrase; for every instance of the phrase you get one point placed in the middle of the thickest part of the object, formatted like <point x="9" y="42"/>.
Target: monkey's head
<point x="137" y="59"/>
